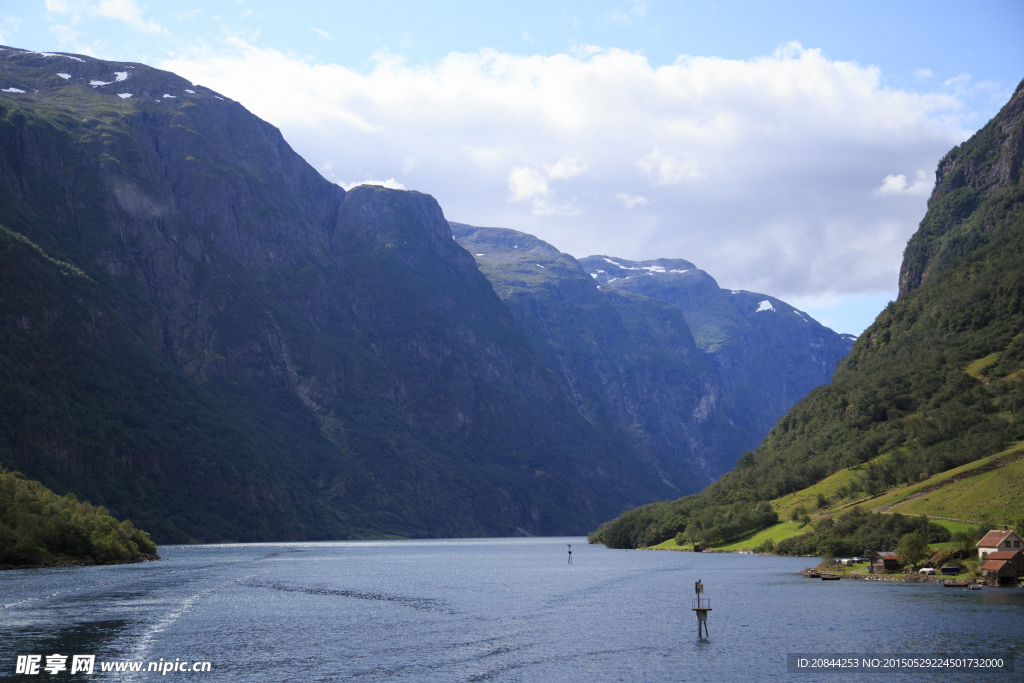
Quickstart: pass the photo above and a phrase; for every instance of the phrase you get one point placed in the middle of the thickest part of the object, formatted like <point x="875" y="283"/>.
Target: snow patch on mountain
<point x="619" y="265"/>
<point x="54" y="54"/>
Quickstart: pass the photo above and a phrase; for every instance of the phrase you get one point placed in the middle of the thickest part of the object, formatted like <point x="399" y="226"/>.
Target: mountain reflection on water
<point x="484" y="610"/>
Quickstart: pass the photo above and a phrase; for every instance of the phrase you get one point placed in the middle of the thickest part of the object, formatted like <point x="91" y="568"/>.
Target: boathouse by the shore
<point x="1015" y="558"/>
<point x="885" y="561"/>
<point x="1002" y="570"/>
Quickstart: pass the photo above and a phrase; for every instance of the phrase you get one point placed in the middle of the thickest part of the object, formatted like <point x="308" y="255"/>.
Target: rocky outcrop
<point x="987" y="165"/>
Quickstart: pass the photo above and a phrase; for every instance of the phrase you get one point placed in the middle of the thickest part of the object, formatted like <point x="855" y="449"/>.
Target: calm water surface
<point x="484" y="610"/>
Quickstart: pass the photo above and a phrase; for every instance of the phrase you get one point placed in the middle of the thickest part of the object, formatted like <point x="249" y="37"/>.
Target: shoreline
<point x="912" y="577"/>
<point x="902" y="578"/>
<point x="63" y="561"/>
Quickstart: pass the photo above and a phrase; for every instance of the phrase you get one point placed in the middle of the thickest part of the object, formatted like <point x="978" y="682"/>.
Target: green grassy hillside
<point x="980" y="495"/>
<point x="937" y="382"/>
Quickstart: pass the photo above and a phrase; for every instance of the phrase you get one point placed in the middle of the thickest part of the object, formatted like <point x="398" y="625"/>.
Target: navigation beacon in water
<point x="701" y="606"/>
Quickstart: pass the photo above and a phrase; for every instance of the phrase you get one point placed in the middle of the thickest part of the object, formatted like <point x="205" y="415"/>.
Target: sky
<point x="786" y="148"/>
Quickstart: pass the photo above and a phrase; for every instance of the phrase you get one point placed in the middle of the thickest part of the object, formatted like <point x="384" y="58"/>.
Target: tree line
<point x="38" y="526"/>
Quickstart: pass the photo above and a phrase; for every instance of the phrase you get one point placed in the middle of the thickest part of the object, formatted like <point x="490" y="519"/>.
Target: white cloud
<point x="322" y="33"/>
<point x="959" y="84"/>
<point x="527" y="183"/>
<point x="123" y="10"/>
<point x="546" y="207"/>
<point x="760" y="171"/>
<point x="65" y="36"/>
<point x="408" y="164"/>
<point x="630" y="200"/>
<point x="663" y="169"/>
<point x="637" y="10"/>
<point x="923" y="74"/>
<point x="9" y="26"/>
<point x="898" y="184"/>
<point x="566" y="168"/>
<point x="964" y="86"/>
<point x="390" y="182"/>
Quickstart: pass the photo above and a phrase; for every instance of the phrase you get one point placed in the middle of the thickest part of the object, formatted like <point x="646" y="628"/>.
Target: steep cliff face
<point x="336" y="358"/>
<point x="986" y="167"/>
<point x="767" y="354"/>
<point x="628" y="362"/>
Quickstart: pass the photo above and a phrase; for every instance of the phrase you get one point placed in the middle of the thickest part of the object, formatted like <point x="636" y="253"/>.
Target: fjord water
<point x="484" y="609"/>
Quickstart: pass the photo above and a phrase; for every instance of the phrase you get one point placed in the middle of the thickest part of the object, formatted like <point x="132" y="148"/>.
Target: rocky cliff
<point x="235" y="347"/>
<point x="987" y="166"/>
<point x="767" y="354"/>
<point x="629" y="362"/>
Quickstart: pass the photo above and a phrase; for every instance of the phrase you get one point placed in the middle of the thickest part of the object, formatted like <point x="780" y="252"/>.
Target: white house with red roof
<point x="996" y="541"/>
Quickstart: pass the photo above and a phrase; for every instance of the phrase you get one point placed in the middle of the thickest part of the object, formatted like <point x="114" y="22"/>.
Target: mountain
<point x="199" y="332"/>
<point x="202" y="334"/>
<point x="935" y="383"/>
<point x="767" y="354"/>
<point x="619" y="338"/>
<point x="628" y="361"/>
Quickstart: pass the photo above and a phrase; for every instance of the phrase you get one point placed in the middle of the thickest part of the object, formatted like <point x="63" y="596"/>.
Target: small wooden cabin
<point x="885" y="561"/>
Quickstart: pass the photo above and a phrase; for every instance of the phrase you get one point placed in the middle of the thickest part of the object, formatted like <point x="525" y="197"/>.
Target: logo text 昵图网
<point x="87" y="664"/>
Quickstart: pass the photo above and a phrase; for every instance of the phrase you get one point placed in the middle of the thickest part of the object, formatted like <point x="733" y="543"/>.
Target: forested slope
<point x="936" y="381"/>
<point x="38" y="527"/>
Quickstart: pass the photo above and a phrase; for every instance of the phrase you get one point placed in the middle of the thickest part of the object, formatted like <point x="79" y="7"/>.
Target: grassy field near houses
<point x="990" y="489"/>
<point x="778" y="532"/>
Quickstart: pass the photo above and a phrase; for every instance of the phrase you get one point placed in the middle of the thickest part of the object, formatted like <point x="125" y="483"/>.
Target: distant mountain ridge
<point x="619" y="338"/>
<point x="768" y="354"/>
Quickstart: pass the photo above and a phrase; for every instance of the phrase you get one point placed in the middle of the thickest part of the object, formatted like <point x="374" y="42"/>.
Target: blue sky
<point x="787" y="149"/>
